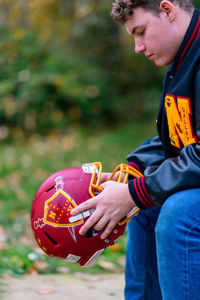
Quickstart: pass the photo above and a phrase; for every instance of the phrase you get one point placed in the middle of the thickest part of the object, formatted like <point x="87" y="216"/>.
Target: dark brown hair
<point x="122" y="10"/>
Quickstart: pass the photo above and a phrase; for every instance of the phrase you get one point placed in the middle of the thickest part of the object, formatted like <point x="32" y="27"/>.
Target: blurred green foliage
<point x="24" y="259"/>
<point x="66" y="63"/>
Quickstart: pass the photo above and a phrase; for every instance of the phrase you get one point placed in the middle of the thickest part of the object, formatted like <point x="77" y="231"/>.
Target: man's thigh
<point x="178" y="246"/>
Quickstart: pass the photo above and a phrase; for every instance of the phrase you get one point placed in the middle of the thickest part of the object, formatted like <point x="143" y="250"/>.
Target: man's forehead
<point x="133" y="23"/>
<point x="140" y="17"/>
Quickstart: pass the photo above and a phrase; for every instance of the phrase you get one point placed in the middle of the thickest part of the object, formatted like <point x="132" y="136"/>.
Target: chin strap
<point x="120" y="174"/>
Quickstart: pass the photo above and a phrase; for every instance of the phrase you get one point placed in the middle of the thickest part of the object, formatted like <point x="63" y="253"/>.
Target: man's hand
<point x="111" y="205"/>
<point x="105" y="176"/>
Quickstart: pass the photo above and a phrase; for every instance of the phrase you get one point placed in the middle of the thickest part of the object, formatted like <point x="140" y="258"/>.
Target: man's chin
<point x="161" y="62"/>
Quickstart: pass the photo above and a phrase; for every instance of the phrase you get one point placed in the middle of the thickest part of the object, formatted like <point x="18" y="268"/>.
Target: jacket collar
<point x="191" y="35"/>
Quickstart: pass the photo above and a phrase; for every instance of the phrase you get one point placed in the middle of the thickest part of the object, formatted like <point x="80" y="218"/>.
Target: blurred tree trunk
<point x="4" y="8"/>
<point x="68" y="7"/>
<point x="13" y="14"/>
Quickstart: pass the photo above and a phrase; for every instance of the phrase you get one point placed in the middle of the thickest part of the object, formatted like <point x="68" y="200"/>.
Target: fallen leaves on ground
<point x="45" y="292"/>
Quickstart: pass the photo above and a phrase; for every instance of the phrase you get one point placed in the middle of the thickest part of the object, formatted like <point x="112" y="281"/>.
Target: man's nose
<point x="139" y="47"/>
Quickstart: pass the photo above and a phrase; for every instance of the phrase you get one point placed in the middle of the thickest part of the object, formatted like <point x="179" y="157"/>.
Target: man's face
<point x="155" y="35"/>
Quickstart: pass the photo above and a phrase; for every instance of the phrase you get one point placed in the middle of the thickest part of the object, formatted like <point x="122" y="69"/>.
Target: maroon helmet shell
<point x="55" y="230"/>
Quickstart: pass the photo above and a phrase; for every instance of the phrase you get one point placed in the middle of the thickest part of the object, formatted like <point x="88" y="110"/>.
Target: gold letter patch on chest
<point x="179" y="120"/>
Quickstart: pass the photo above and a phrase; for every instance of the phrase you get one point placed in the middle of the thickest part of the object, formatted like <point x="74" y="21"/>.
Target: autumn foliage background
<point x="67" y="63"/>
<point x="71" y="91"/>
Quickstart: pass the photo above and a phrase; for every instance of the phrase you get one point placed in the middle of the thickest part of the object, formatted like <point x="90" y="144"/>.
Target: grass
<point x="25" y="165"/>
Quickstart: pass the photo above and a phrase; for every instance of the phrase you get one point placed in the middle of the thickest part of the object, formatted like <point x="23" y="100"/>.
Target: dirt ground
<point x="64" y="287"/>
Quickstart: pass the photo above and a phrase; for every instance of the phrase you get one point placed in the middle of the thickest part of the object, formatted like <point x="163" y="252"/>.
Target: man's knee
<point x="166" y="219"/>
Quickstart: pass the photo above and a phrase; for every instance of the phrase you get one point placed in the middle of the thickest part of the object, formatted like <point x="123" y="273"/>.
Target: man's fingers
<point x="104" y="184"/>
<point x="110" y="226"/>
<point x="91" y="203"/>
<point x="101" y="224"/>
<point x="105" y="177"/>
<point x="92" y="220"/>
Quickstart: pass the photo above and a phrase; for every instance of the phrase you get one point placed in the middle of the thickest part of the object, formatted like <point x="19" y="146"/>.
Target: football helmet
<point x="55" y="230"/>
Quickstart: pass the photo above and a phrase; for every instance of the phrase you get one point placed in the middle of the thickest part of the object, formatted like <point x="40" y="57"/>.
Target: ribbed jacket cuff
<point x="136" y="166"/>
<point x="139" y="193"/>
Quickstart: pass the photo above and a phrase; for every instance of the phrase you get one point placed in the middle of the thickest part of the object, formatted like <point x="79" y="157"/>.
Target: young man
<point x="163" y="250"/>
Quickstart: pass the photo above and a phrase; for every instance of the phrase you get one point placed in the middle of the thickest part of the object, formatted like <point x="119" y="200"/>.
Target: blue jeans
<point x="163" y="250"/>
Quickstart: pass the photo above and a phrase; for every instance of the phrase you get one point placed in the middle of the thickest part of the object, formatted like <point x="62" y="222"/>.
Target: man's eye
<point x="141" y="32"/>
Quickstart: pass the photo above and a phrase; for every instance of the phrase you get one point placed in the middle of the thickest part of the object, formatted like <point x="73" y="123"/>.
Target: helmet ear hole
<point x="50" y="238"/>
<point x="51" y="188"/>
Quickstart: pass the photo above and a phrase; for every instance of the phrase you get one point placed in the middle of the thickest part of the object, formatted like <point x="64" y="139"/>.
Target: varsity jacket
<point x="170" y="162"/>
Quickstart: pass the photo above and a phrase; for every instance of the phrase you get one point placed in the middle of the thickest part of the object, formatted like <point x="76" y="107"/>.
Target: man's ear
<point x="168" y="9"/>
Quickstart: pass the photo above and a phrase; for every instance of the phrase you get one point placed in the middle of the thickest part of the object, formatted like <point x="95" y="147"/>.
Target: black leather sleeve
<point x="148" y="154"/>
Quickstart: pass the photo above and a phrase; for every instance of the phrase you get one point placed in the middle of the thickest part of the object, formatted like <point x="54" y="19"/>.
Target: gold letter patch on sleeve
<point x="179" y="120"/>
